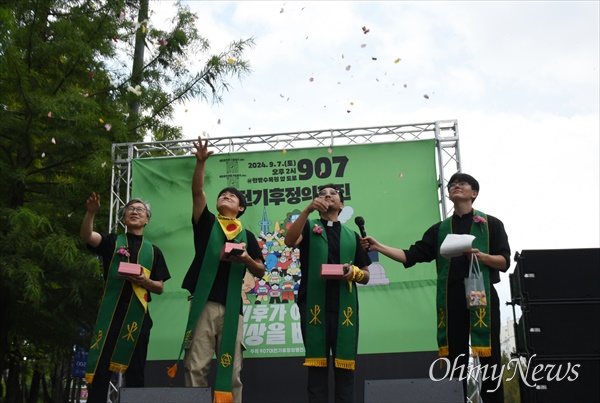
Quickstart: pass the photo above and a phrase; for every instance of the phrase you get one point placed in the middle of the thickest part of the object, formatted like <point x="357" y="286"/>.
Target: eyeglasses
<point x="138" y="210"/>
<point x="331" y="192"/>
<point x="462" y="184"/>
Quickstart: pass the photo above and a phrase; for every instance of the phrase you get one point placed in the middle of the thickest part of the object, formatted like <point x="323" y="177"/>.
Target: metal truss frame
<point x="445" y="132"/>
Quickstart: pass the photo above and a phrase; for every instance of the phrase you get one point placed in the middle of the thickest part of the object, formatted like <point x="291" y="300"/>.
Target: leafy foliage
<point x="69" y="71"/>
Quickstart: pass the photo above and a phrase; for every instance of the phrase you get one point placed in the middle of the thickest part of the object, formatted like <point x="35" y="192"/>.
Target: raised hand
<point x="202" y="152"/>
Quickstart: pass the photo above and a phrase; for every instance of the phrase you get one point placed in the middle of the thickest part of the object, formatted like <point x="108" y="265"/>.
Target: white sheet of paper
<point x="455" y="244"/>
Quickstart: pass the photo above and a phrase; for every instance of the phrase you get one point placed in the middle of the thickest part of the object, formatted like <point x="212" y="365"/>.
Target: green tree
<point x="69" y="77"/>
<point x="511" y="379"/>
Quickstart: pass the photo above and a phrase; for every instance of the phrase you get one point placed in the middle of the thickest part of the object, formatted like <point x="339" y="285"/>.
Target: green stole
<point x="316" y="354"/>
<point x="206" y="278"/>
<point x="480" y="317"/>
<point x="130" y="329"/>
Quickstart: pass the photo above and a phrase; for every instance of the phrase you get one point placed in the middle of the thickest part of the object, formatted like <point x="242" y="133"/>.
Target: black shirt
<point x="202" y="229"/>
<point x="426" y="249"/>
<point x="361" y="259"/>
<point x="106" y="248"/>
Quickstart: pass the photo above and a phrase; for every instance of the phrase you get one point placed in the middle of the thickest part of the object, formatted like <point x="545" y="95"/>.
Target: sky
<point x="521" y="79"/>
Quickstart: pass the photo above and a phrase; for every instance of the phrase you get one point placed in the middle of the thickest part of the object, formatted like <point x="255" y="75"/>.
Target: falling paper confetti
<point x="365" y="30"/>
<point x="401" y="176"/>
<point x="219" y="121"/>
<point x="49" y="114"/>
<point x="373" y="58"/>
<point x="91" y="74"/>
<point x="230" y="61"/>
<point x="108" y="126"/>
<point x="53" y="140"/>
<point x="186" y="110"/>
<point x="352" y="103"/>
<point x="311" y="79"/>
<point x="330" y="150"/>
<point x="284" y="151"/>
<point x="348" y="68"/>
<point x="405" y="85"/>
<point x="162" y="42"/>
<point x="364" y="45"/>
<point x="426" y="96"/>
<point x="101" y="120"/>
<point x="348" y="111"/>
<point x="43" y="155"/>
<point x="397" y="60"/>
<point x="122" y="16"/>
<point x="104" y="164"/>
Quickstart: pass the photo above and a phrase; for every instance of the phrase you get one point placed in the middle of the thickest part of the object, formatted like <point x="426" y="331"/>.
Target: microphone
<point x="360" y="223"/>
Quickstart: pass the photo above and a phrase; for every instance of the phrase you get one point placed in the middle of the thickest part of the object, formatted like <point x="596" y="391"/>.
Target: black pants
<point x="318" y="377"/>
<point x="458" y="341"/>
<point x="134" y="376"/>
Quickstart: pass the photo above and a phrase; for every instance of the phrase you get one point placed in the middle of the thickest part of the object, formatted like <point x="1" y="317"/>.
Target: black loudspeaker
<point x="561" y="380"/>
<point x="413" y="390"/>
<point x="560" y="329"/>
<point x="559" y="274"/>
<point x="163" y="395"/>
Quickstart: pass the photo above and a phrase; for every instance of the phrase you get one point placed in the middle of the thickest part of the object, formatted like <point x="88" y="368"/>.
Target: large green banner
<point x="393" y="186"/>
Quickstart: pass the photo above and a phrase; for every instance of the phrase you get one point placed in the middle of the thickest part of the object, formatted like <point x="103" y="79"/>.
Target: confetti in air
<point x="104" y="164"/>
<point x="101" y="120"/>
<point x="405" y="85"/>
<point x="284" y="151"/>
<point x="53" y="140"/>
<point x="364" y="45"/>
<point x="311" y="79"/>
<point x="401" y="176"/>
<point x="397" y="60"/>
<point x="49" y="114"/>
<point x="230" y="61"/>
<point x="330" y="150"/>
<point x="348" y="68"/>
<point x="43" y="155"/>
<point x="373" y="58"/>
<point x="365" y="30"/>
<point x="219" y="121"/>
<point x="426" y="96"/>
<point x="108" y="126"/>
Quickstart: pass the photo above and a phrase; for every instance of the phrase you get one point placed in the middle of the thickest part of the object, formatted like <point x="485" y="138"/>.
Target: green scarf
<point x="316" y="354"/>
<point x="206" y="277"/>
<point x="480" y="317"/>
<point x="130" y="329"/>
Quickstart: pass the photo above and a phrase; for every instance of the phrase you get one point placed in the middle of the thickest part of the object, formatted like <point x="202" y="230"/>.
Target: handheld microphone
<point x="360" y="223"/>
